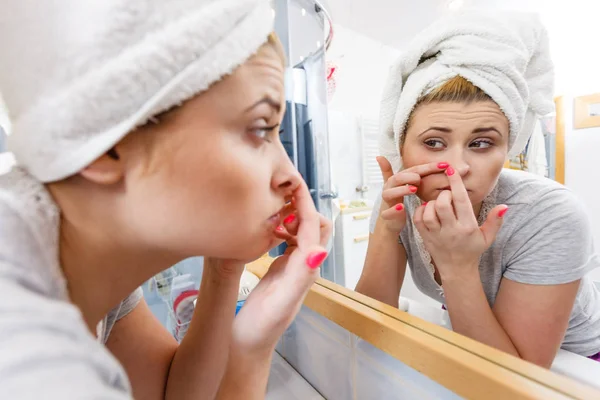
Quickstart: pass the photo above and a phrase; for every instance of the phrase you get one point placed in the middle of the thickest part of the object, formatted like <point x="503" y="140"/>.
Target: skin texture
<point x="210" y="178"/>
<point x="453" y="154"/>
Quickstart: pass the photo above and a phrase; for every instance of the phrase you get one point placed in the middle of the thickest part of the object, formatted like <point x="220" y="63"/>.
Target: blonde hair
<point x="455" y="90"/>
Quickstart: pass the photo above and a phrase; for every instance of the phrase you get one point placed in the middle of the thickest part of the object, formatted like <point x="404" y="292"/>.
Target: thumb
<point x="385" y="167"/>
<point x="303" y="267"/>
<point x="493" y="223"/>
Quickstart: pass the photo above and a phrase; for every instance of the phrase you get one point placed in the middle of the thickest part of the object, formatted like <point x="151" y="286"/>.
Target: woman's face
<point x="472" y="138"/>
<point x="218" y="175"/>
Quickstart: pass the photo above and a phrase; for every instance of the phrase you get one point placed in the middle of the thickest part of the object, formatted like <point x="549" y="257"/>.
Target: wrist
<point x="223" y="271"/>
<point x="383" y="230"/>
<point x="463" y="273"/>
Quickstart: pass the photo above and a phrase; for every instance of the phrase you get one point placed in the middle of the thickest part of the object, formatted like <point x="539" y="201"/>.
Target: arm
<point x="157" y="367"/>
<point x="200" y="361"/>
<point x="545" y="262"/>
<point x="385" y="263"/>
<point x="527" y="321"/>
<point x="385" y="267"/>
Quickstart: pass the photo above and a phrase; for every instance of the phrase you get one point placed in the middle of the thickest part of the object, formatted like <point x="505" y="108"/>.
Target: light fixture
<point x="455" y="4"/>
<point x="318" y="44"/>
<point x="273" y="12"/>
<point x="304" y="12"/>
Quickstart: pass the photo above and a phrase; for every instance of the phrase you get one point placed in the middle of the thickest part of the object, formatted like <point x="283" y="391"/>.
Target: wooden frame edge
<point x="583" y="119"/>
<point x="445" y="356"/>
<point x="559" y="173"/>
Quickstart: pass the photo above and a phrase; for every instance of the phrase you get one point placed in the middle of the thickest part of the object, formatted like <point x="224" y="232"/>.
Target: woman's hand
<point x="396" y="186"/>
<point x="276" y="300"/>
<point x="450" y="230"/>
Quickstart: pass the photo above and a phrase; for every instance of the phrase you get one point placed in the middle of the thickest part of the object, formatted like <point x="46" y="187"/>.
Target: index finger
<point x="308" y="218"/>
<point x="427" y="169"/>
<point x="460" y="196"/>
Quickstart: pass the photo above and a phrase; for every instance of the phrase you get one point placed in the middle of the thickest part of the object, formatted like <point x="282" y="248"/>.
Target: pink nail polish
<point x="450" y="171"/>
<point x="316" y="259"/>
<point x="501" y="213"/>
<point x="280" y="229"/>
<point x="443" y="165"/>
<point x="425" y="204"/>
<point x="291" y="218"/>
<point x="399" y="207"/>
<point x="414" y="189"/>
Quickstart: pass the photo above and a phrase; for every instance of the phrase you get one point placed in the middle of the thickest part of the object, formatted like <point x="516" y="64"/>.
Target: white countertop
<point x="287" y="384"/>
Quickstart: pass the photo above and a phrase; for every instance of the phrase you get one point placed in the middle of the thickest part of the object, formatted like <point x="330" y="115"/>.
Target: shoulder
<point x="541" y="210"/>
<point x="518" y="187"/>
<point x="29" y="233"/>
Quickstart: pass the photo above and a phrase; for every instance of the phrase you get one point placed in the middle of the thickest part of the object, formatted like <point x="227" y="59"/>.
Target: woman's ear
<point x="109" y="169"/>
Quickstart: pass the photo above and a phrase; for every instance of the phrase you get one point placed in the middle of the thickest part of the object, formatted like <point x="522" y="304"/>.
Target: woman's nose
<point x="460" y="165"/>
<point x="286" y="177"/>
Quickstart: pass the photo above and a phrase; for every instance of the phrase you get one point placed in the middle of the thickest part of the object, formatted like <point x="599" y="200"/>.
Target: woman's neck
<point x="101" y="261"/>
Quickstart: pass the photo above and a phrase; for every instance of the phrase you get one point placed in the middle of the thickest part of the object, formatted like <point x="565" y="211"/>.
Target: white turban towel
<point x="505" y="54"/>
<point x="78" y="75"/>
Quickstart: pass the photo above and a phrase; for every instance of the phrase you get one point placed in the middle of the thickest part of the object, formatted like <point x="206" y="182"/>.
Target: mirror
<point x="367" y="42"/>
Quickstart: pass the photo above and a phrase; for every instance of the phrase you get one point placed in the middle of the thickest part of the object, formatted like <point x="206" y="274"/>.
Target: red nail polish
<point x="414" y="189"/>
<point x="501" y="213"/>
<point x="443" y="165"/>
<point x="450" y="171"/>
<point x="316" y="259"/>
<point x="399" y="207"/>
<point x="425" y="204"/>
<point x="291" y="218"/>
<point x="280" y="229"/>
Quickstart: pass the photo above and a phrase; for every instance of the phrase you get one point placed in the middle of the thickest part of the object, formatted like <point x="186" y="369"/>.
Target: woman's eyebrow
<point x="266" y="100"/>
<point x="436" y="128"/>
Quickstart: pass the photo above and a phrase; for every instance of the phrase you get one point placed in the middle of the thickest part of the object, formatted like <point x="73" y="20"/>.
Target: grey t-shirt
<point x="47" y="351"/>
<point x="546" y="239"/>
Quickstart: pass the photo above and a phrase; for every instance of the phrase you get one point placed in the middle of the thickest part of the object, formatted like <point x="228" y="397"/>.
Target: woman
<point x="145" y="132"/>
<point x="506" y="252"/>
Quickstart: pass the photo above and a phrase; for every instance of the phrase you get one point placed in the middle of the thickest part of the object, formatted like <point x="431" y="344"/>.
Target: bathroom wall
<point x="362" y="68"/>
<point x="342" y="366"/>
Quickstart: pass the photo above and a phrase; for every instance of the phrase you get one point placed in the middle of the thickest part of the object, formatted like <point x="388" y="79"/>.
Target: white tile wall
<point x="342" y="366"/>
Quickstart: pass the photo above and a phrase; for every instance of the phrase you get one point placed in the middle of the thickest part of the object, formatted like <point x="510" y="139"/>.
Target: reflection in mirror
<point x="474" y="230"/>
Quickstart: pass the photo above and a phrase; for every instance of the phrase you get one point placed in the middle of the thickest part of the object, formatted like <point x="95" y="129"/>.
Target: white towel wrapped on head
<point x="505" y="54"/>
<point x="78" y="75"/>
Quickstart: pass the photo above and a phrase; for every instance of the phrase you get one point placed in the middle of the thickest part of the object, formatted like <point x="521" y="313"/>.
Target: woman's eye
<point x="263" y="133"/>
<point x="434" y="144"/>
<point x="482" y="144"/>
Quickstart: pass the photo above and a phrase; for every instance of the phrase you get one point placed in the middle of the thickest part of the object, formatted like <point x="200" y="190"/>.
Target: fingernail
<point x="501" y="213"/>
<point x="443" y="165"/>
<point x="291" y="218"/>
<point x="449" y="171"/>
<point x="414" y="189"/>
<point x="280" y="229"/>
<point x="399" y="207"/>
<point x="424" y="204"/>
<point x="316" y="259"/>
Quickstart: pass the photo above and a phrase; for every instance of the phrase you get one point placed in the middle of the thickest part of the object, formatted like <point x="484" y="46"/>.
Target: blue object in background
<point x="239" y="306"/>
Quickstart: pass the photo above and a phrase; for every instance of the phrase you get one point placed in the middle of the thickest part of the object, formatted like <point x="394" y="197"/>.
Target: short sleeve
<point x="552" y="244"/>
<point x="124" y="308"/>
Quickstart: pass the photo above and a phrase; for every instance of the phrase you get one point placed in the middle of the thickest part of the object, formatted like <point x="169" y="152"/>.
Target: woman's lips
<point x="275" y="220"/>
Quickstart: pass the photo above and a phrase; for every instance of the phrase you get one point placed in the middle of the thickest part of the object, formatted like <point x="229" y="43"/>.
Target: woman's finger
<point x="403" y="178"/>
<point x="396" y="213"/>
<point x="444" y="208"/>
<point x="427" y="169"/>
<point x="418" y="219"/>
<point x="460" y="196"/>
<point x="291" y="224"/>
<point x="430" y="218"/>
<point x="396" y="194"/>
<point x="326" y="227"/>
<point x="308" y="218"/>
<point x="385" y="167"/>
